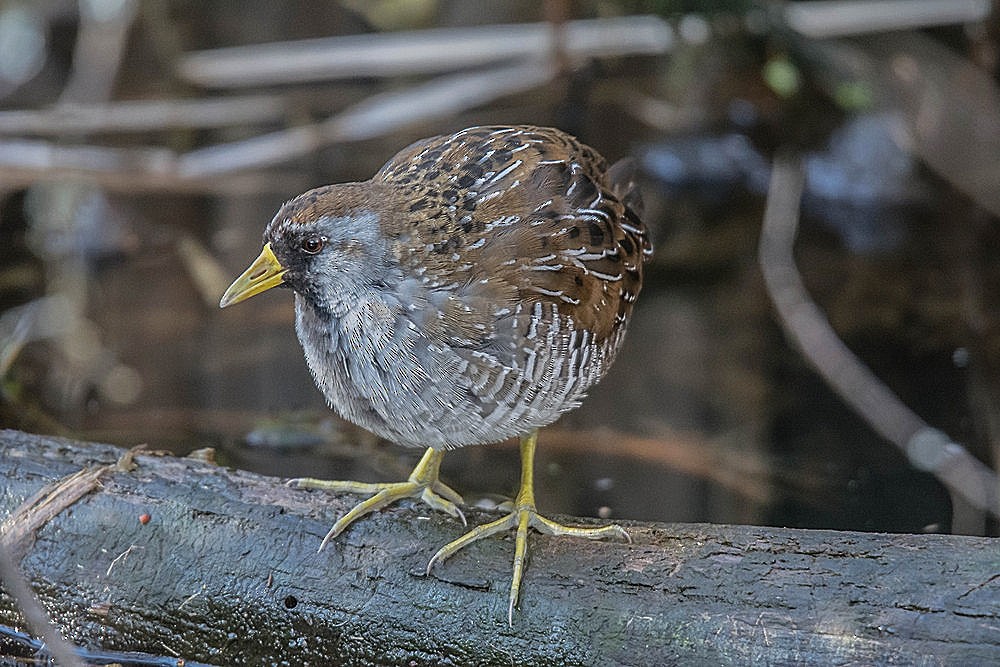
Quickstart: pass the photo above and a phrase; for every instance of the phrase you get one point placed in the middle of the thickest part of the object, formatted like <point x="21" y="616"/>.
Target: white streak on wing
<point x="591" y="256"/>
<point x="505" y="221"/>
<point x="514" y="165"/>
<point x="497" y="384"/>
<point x="533" y="321"/>
<point x="606" y="276"/>
<point x="630" y="228"/>
<point x="594" y="212"/>
<point x="487" y="197"/>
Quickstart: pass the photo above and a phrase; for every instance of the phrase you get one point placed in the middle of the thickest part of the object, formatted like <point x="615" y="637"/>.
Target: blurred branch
<point x="146" y="115"/>
<point x="420" y="52"/>
<point x="34" y="614"/>
<point x="44" y="156"/>
<point x="356" y="55"/>
<point x="927" y="448"/>
<point x="840" y="18"/>
<point x="264" y="182"/>
<point x="204" y="269"/>
<point x="11" y="639"/>
<point x="952" y="109"/>
<point x="373" y="116"/>
<point x="25" y="162"/>
<point x="16" y="328"/>
<point x="100" y="46"/>
<point x="17" y="535"/>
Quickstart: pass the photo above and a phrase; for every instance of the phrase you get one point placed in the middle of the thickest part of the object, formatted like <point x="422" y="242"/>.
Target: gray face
<point x="331" y="260"/>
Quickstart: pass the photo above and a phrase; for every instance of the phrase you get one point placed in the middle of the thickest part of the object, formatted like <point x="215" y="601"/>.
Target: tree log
<point x="225" y="570"/>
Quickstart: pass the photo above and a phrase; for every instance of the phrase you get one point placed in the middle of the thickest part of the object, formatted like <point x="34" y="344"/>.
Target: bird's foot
<point x="521" y="518"/>
<point x="423" y="483"/>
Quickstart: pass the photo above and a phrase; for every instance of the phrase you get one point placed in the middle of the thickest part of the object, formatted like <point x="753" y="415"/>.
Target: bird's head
<point x="325" y="244"/>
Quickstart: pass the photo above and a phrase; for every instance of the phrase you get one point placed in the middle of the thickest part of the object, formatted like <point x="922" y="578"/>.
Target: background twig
<point x="926" y="447"/>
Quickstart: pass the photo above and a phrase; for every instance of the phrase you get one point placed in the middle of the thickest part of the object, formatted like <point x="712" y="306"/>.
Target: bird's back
<point x="532" y="210"/>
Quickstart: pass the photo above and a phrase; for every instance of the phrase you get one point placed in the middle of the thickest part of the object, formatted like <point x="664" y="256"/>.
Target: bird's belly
<point x="441" y="404"/>
<point x="382" y="374"/>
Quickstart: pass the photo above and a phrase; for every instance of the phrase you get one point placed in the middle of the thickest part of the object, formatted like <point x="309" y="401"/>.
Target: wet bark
<point x="226" y="571"/>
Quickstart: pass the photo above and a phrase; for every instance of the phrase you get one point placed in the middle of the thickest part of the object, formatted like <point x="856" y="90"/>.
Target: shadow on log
<point x="226" y="571"/>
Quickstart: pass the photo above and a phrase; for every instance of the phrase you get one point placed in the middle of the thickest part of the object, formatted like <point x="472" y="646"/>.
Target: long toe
<point x="422" y="484"/>
<point x="521" y="519"/>
<point x="387" y="494"/>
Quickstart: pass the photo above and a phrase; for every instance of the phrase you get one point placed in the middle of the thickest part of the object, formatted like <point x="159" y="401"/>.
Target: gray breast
<point x="377" y="369"/>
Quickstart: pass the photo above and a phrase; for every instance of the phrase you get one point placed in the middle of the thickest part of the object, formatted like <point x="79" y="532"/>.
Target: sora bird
<point x="471" y="291"/>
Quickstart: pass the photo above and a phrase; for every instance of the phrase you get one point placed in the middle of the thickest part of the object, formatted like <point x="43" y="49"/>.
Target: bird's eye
<point x="313" y="243"/>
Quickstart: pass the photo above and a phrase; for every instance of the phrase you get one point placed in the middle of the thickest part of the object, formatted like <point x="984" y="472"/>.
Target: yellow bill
<point x="265" y="272"/>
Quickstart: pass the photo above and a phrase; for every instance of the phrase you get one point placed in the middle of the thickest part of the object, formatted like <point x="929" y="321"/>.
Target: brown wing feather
<point x="525" y="214"/>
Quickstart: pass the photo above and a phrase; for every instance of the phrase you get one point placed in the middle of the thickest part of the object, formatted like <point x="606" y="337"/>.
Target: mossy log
<point x="175" y="556"/>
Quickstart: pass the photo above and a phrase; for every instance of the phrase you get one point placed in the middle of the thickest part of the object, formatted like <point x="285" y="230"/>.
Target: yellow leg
<point x="522" y="517"/>
<point x="423" y="483"/>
